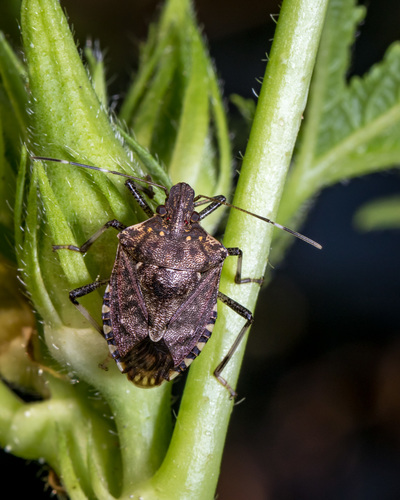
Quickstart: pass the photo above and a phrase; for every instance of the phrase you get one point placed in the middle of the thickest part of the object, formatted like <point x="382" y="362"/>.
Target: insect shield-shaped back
<point x="161" y="302"/>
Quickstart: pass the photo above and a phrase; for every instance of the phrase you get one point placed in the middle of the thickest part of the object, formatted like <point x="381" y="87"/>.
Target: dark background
<point x="321" y="377"/>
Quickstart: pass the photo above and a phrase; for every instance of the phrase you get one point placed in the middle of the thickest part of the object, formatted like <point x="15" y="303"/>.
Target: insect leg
<point x="246" y="314"/>
<point x="134" y="189"/>
<point x="211" y="207"/>
<point x="85" y="247"/>
<point x="238" y="277"/>
<point x="81" y="292"/>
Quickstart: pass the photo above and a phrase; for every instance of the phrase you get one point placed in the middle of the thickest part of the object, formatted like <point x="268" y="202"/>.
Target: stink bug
<point x="160" y="302"/>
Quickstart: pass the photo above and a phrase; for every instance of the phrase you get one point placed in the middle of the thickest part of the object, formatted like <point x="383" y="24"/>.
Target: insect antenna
<point x="279" y="226"/>
<point x="99" y="169"/>
<point x="165" y="189"/>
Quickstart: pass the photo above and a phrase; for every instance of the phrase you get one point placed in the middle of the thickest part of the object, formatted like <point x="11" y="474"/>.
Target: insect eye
<point x="161" y="210"/>
<point x="195" y="217"/>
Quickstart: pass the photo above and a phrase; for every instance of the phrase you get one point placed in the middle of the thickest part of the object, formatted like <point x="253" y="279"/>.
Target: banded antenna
<point x="165" y="189"/>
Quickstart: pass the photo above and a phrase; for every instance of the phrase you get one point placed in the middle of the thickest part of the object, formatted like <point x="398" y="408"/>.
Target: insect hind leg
<point x="81" y="292"/>
<point x="238" y="276"/>
<point x="248" y="316"/>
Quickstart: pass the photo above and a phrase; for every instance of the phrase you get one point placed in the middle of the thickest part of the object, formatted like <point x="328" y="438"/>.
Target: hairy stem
<point x="191" y="466"/>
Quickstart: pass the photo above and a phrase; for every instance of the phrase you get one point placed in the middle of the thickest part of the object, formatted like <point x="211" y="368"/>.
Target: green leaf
<point x="174" y="106"/>
<point x="13" y="76"/>
<point x="94" y="58"/>
<point x="7" y="194"/>
<point x="350" y="127"/>
<point x="193" y="123"/>
<point x="359" y="135"/>
<point x="68" y="122"/>
<point x="68" y="119"/>
<point x="153" y="167"/>
<point x="327" y="88"/>
<point x="246" y="107"/>
<point x="13" y="129"/>
<point x="382" y="213"/>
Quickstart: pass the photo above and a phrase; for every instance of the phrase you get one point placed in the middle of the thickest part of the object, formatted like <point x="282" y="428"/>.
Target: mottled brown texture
<point x="162" y="292"/>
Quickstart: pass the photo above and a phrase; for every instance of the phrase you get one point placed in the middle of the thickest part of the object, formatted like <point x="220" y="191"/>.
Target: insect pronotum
<point x="160" y="302"/>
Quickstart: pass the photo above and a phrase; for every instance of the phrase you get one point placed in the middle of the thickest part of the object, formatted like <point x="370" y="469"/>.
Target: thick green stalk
<point x="191" y="467"/>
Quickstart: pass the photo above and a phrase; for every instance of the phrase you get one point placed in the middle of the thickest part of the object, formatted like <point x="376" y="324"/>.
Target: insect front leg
<point x="134" y="189"/>
<point x="81" y="292"/>
<point x="220" y="200"/>
<point x="85" y="247"/>
<point x="247" y="315"/>
<point x="238" y="276"/>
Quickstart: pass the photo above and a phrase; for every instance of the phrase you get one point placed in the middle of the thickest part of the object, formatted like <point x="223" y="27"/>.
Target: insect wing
<point x="128" y="315"/>
<point x="146" y="363"/>
<point x="191" y="325"/>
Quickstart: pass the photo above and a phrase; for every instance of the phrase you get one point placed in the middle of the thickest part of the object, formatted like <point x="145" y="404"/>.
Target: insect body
<point x="160" y="303"/>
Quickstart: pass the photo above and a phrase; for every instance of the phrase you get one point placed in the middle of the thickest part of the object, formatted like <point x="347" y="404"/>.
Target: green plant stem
<point x="190" y="469"/>
<point x="144" y="428"/>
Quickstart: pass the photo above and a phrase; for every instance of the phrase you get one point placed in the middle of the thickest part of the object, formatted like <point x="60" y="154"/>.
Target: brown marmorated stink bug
<point x="160" y="302"/>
